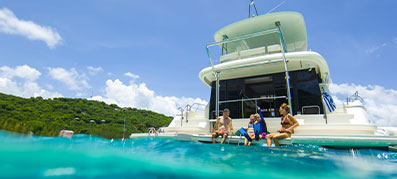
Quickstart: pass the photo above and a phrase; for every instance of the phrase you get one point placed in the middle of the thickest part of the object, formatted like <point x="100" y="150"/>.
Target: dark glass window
<point x="305" y="91"/>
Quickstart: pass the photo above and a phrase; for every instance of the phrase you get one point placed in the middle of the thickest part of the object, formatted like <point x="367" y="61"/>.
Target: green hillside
<point x="46" y="117"/>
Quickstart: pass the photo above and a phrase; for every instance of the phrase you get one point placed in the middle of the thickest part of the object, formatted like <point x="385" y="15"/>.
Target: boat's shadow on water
<point x="90" y="156"/>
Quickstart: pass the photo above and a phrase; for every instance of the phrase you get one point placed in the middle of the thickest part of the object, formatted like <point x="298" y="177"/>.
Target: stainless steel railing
<point x="354" y="97"/>
<point x="188" y="108"/>
<point x="251" y="99"/>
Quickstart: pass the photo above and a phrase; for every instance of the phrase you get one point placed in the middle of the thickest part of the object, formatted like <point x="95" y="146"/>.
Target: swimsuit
<point x="222" y="126"/>
<point x="220" y="131"/>
<point x="285" y="123"/>
<point x="250" y="126"/>
<point x="263" y="134"/>
<point x="250" y="131"/>
<point x="263" y="131"/>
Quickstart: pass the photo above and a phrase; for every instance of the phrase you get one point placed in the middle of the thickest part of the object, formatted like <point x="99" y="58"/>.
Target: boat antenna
<point x="252" y="3"/>
<point x="274" y="8"/>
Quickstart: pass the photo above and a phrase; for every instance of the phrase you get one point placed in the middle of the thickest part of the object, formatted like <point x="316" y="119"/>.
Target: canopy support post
<point x="217" y="94"/>
<point x="287" y="78"/>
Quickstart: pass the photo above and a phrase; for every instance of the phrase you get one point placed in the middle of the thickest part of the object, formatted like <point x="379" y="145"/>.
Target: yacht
<point x="264" y="61"/>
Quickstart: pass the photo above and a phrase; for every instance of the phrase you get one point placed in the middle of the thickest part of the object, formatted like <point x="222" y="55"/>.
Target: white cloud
<point x="139" y="96"/>
<point x="72" y="79"/>
<point x="93" y="71"/>
<point x="381" y="103"/>
<point x="10" y="24"/>
<point x="25" y="84"/>
<point x="24" y="72"/>
<point x="131" y="75"/>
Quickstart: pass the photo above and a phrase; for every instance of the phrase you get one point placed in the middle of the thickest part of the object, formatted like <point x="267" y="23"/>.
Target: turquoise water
<point x="94" y="157"/>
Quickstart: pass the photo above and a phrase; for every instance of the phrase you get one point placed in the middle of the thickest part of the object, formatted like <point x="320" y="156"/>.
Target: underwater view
<point x="86" y="156"/>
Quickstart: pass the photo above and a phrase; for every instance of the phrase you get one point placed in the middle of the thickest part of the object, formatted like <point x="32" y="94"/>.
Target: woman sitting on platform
<point x="288" y="124"/>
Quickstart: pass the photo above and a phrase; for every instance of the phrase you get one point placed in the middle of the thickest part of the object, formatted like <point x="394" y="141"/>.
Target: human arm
<point x="230" y="126"/>
<point x="282" y="130"/>
<point x="263" y="123"/>
<point x="215" y="126"/>
<point x="295" y="123"/>
<point x="260" y="113"/>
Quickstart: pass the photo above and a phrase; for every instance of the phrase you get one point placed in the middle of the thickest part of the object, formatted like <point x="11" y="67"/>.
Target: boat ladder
<point x="234" y="140"/>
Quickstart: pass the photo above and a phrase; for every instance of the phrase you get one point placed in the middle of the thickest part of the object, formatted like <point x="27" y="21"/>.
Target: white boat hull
<point x="345" y="141"/>
<point x="371" y="141"/>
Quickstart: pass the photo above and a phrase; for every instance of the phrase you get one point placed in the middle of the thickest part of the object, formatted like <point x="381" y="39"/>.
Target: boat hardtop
<point x="293" y="27"/>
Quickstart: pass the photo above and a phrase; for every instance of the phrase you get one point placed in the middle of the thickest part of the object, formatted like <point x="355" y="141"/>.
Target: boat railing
<point x="354" y="97"/>
<point x="152" y="130"/>
<point x="252" y="99"/>
<point x="161" y="130"/>
<point x="245" y="52"/>
<point x="255" y="100"/>
<point x="184" y="112"/>
<point x="196" y="107"/>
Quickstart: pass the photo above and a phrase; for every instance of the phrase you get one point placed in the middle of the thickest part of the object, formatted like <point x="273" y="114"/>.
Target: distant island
<point x="47" y="117"/>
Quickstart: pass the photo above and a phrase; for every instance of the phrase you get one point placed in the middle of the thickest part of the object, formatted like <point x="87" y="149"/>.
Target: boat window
<point x="242" y="96"/>
<point x="306" y="90"/>
<point x="310" y="110"/>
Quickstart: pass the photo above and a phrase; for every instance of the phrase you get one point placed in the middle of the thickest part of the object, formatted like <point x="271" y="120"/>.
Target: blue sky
<point x="161" y="44"/>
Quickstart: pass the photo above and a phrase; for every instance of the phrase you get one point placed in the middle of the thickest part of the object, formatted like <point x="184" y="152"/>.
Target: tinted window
<point x="305" y="91"/>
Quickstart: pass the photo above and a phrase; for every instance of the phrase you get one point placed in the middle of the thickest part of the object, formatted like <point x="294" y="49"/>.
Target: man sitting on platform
<point x="222" y="126"/>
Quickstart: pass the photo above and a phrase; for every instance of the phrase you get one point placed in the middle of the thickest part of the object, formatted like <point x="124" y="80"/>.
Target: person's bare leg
<point x="279" y="136"/>
<point x="276" y="143"/>
<point x="252" y="138"/>
<point x="249" y="143"/>
<point x="224" y="138"/>
<point x="213" y="138"/>
<point x="245" y="141"/>
<point x="269" y="140"/>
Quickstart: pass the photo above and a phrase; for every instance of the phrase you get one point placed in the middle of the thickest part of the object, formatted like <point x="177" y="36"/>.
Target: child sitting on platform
<point x="250" y="130"/>
<point x="261" y="121"/>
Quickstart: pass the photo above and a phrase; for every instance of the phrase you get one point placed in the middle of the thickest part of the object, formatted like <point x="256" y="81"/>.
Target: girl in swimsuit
<point x="288" y="124"/>
<point x="261" y="120"/>
<point x="250" y="130"/>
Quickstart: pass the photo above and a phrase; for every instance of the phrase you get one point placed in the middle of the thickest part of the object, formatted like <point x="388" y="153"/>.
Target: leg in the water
<point x="269" y="140"/>
<point x="276" y="142"/>
<point x="224" y="138"/>
<point x="214" y="138"/>
<point x="279" y="136"/>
